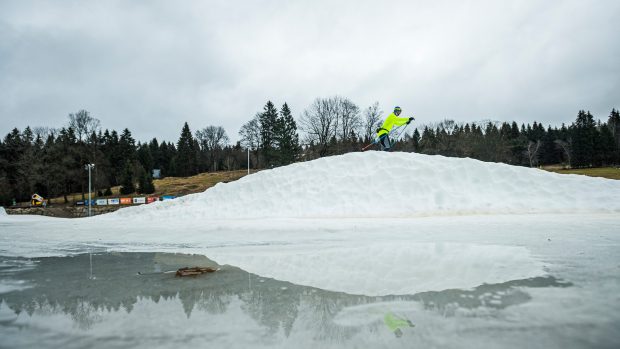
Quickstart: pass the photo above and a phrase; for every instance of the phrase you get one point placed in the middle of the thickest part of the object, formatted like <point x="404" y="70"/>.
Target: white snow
<point x="384" y="185"/>
<point x="363" y="223"/>
<point x="2" y="211"/>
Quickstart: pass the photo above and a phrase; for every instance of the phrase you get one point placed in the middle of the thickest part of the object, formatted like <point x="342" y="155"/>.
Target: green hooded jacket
<point x="391" y="121"/>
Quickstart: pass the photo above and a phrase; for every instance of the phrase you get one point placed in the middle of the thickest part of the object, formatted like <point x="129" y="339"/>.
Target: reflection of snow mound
<point x="377" y="184"/>
<point x="389" y="268"/>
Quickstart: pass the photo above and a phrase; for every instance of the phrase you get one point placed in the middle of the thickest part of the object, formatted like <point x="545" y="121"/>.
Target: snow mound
<point x="2" y="211"/>
<point x="380" y="184"/>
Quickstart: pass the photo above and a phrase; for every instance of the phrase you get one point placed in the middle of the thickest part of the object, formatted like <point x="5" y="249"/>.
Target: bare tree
<point x="45" y="132"/>
<point x="565" y="146"/>
<point x="212" y="137"/>
<point x="319" y="121"/>
<point x="83" y="124"/>
<point x="349" y="121"/>
<point x="212" y="140"/>
<point x="372" y="120"/>
<point x="532" y="152"/>
<point x="250" y="134"/>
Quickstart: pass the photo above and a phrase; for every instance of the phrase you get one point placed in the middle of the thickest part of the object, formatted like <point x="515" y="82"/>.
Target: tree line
<point x="51" y="161"/>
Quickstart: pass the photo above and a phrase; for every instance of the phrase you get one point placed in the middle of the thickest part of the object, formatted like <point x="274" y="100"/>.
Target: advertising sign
<point x="167" y="197"/>
<point x="114" y="201"/>
<point x="101" y="202"/>
<point x="152" y="199"/>
<point x="140" y="200"/>
<point x="88" y="203"/>
<point x="126" y="201"/>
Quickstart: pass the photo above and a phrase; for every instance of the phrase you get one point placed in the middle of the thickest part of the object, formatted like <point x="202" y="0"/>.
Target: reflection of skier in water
<point x="395" y="323"/>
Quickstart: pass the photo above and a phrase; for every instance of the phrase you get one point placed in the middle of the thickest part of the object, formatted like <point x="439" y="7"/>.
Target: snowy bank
<point x="379" y="184"/>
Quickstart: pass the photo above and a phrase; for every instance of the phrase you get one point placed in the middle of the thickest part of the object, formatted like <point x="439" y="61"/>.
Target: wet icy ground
<point x="556" y="284"/>
<point x="100" y="300"/>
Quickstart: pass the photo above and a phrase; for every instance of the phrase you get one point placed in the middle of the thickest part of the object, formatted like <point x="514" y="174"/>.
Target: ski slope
<point x="390" y="185"/>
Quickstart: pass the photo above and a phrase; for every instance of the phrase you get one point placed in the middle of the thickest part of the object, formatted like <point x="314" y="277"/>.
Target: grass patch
<point x="194" y="184"/>
<point x="176" y="186"/>
<point x="605" y="172"/>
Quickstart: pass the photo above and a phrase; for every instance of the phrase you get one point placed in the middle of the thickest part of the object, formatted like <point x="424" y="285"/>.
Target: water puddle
<point x="134" y="300"/>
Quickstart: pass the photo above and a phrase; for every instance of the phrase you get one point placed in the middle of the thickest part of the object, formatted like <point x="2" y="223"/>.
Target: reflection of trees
<point x="62" y="285"/>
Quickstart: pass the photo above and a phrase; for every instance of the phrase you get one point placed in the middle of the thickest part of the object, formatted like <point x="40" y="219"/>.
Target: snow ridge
<point x="380" y="184"/>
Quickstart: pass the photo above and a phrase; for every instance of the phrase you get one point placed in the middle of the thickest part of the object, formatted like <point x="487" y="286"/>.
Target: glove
<point x="411" y="118"/>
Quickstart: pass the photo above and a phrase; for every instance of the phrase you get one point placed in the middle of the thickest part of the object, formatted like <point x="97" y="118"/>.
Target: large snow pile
<point x="2" y="211"/>
<point x="379" y="184"/>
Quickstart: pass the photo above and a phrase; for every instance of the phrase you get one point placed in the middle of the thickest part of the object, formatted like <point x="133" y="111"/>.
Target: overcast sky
<point x="152" y="65"/>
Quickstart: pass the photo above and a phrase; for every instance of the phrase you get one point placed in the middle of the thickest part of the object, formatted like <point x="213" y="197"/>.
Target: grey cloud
<point x="150" y="66"/>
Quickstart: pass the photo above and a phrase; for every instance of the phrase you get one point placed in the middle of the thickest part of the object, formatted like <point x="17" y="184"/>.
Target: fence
<point x="140" y="200"/>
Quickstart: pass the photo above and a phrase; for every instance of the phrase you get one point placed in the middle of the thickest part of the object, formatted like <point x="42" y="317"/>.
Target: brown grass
<point x="605" y="172"/>
<point x="176" y="186"/>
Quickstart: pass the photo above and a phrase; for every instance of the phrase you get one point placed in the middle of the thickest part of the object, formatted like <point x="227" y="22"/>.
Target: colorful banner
<point x="167" y="197"/>
<point x="152" y="199"/>
<point x="126" y="201"/>
<point x="101" y="202"/>
<point x="114" y="201"/>
<point x="140" y="200"/>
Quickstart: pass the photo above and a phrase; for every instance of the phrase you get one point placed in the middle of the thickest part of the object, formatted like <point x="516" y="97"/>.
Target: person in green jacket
<point x="383" y="133"/>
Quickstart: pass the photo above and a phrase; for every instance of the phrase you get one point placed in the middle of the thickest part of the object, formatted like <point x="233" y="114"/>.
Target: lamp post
<point x="89" y="167"/>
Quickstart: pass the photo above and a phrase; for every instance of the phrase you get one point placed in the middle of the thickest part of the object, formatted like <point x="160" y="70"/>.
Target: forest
<point x="51" y="161"/>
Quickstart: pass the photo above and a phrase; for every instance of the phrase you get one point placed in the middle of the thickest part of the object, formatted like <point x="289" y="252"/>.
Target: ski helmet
<point x="397" y="110"/>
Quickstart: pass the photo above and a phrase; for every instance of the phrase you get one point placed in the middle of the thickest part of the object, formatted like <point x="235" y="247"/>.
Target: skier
<point x="391" y="121"/>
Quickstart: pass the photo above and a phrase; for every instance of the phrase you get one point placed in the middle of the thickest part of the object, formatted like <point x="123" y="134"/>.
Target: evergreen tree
<point x="606" y="154"/>
<point x="583" y="143"/>
<point x="127" y="179"/>
<point x="549" y="152"/>
<point x="428" y="141"/>
<point x="145" y="184"/>
<point x="268" y="124"/>
<point x="12" y="151"/>
<point x="167" y="153"/>
<point x="187" y="155"/>
<point x="286" y="137"/>
<point x="614" y="126"/>
<point x="415" y="140"/>
<point x="114" y="156"/>
<point x="145" y="158"/>
<point x="126" y="146"/>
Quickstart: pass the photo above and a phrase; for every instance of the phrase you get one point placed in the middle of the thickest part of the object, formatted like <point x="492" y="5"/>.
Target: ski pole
<point x="376" y="140"/>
